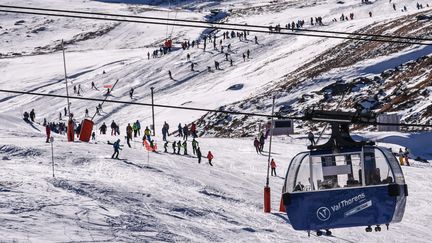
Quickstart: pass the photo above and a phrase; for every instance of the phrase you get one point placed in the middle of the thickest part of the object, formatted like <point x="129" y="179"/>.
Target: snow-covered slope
<point x="162" y="197"/>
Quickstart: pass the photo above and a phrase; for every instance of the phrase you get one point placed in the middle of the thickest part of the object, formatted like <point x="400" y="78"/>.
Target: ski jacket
<point x="116" y="145"/>
<point x="273" y="164"/>
<point x="210" y="155"/>
<point x="147" y="132"/>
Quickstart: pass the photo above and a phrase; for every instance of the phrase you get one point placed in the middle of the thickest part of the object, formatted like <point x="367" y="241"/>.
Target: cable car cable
<point x="223" y="24"/>
<point x="217" y="111"/>
<point x="223" y="28"/>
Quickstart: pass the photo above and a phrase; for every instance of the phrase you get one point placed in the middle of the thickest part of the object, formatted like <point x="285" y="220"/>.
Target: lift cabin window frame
<point x="336" y="171"/>
<point x="366" y="167"/>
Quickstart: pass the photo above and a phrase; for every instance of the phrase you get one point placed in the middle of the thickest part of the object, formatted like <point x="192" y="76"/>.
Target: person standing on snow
<point x="273" y="167"/>
<point x="166" y="147"/>
<point x="178" y="146"/>
<point x="103" y="128"/>
<point x="199" y="155"/>
<point x="135" y="129"/>
<point x="113" y="128"/>
<point x="194" y="145"/>
<point x="401" y="156"/>
<point x="180" y="130"/>
<point x="93" y="136"/>
<point x="128" y="134"/>
<point x="174" y="147"/>
<point x="261" y="141"/>
<point x="257" y="146"/>
<point x="311" y="138"/>
<point x="116" y="147"/>
<point x="406" y="156"/>
<point x="147" y="133"/>
<point x="32" y="115"/>
<point x="185" y="132"/>
<point x="185" y="147"/>
<point x="48" y="133"/>
<point x="193" y="130"/>
<point x="210" y="157"/>
<point x="131" y="91"/>
<point x="164" y="133"/>
<point x="138" y="126"/>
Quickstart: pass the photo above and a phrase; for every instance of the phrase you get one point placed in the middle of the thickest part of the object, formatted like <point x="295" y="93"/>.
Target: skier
<point x="256" y="40"/>
<point x="32" y="115"/>
<point x="311" y="138"/>
<point x="185" y="132"/>
<point x="194" y="145"/>
<point x="262" y="140"/>
<point x="113" y="128"/>
<point x="185" y="147"/>
<point x="199" y="155"/>
<point x="193" y="130"/>
<point x="166" y="147"/>
<point x="273" y="167"/>
<point x="93" y="86"/>
<point x="78" y="130"/>
<point x="192" y="67"/>
<point x="401" y="156"/>
<point x="170" y="75"/>
<point x="103" y="128"/>
<point x="116" y="147"/>
<point x="86" y="112"/>
<point x="135" y="129"/>
<point x="188" y="56"/>
<point x="178" y="146"/>
<point x="131" y="93"/>
<point x="180" y="130"/>
<point x="93" y="136"/>
<point x="164" y="133"/>
<point x="174" y="147"/>
<point x="210" y="157"/>
<point x="65" y="111"/>
<point x="48" y="133"/>
<point x="406" y="156"/>
<point x="257" y="146"/>
<point x="138" y="125"/>
<point x="147" y="133"/>
<point x="231" y="62"/>
<point x="244" y="57"/>
<point x="128" y="134"/>
<point x="248" y="53"/>
<point x="60" y="116"/>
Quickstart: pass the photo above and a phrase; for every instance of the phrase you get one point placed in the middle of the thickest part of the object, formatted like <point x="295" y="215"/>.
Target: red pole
<point x="267" y="204"/>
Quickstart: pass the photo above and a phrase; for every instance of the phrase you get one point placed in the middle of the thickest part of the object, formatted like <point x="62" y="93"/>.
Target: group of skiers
<point x="403" y="157"/>
<point x="259" y="144"/>
<point x="31" y="115"/>
<point x="196" y="150"/>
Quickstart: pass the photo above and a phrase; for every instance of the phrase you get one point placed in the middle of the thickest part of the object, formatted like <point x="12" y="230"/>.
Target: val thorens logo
<point x="323" y="213"/>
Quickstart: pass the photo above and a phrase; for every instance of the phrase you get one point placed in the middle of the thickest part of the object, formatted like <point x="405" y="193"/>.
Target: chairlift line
<point x="219" y="27"/>
<point x="303" y="118"/>
<point x="216" y="23"/>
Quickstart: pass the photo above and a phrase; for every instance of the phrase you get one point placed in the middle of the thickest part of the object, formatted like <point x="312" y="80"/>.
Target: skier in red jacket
<point x="48" y="132"/>
<point x="210" y="157"/>
<point x="273" y="167"/>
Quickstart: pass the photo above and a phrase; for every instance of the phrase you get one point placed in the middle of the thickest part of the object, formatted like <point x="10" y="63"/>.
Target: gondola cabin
<point x="344" y="183"/>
